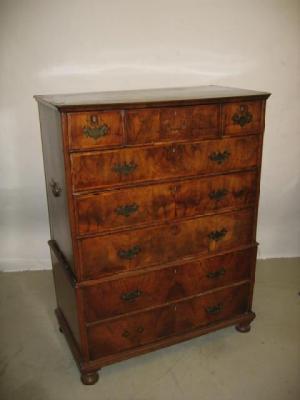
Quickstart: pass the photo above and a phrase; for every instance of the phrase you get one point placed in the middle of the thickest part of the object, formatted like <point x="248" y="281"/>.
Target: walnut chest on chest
<point x="152" y="198"/>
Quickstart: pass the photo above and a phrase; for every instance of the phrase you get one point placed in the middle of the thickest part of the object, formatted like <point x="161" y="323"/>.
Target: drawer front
<point x="130" y="207"/>
<point x="136" y="330"/>
<point x="115" y="297"/>
<point x="95" y="129"/>
<point x="157" y="245"/>
<point x="212" y="307"/>
<point x="123" y="208"/>
<point x="171" y="123"/>
<point x="242" y="118"/>
<point x="120" y="167"/>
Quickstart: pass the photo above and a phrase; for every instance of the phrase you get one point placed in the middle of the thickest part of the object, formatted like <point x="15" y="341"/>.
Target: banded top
<point x="162" y="96"/>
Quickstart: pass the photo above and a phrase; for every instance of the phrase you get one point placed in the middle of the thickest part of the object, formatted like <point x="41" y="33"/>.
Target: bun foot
<point x="243" y="327"/>
<point x="89" y="378"/>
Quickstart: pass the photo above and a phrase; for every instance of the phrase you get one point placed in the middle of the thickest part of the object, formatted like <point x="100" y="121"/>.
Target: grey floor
<point x="35" y="362"/>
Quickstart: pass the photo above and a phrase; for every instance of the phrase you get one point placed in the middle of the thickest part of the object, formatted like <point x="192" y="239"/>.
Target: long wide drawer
<point x="120" y="296"/>
<point x="134" y="206"/>
<point x="167" y="243"/>
<point x="96" y="170"/>
<point x="136" y="330"/>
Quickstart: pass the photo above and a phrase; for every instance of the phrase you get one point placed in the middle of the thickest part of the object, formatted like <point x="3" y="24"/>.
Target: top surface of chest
<point x="140" y="98"/>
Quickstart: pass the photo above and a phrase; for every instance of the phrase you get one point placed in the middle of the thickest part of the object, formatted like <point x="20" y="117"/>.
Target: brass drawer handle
<point x="55" y="188"/>
<point x="218" y="194"/>
<point x="243" y="117"/>
<point x="126" y="333"/>
<point x="95" y="129"/>
<point x="127" y="209"/>
<point x="219" y="157"/>
<point x="214" y="309"/>
<point x="239" y="193"/>
<point x="216" y="274"/>
<point x="131" y="296"/>
<point x="130" y="253"/>
<point x="218" y="235"/>
<point x="125" y="168"/>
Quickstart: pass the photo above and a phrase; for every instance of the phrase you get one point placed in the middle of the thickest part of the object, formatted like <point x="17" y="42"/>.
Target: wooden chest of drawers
<point x="152" y="199"/>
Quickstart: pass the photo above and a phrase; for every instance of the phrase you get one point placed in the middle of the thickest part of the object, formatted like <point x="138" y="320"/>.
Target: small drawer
<point x="243" y="118"/>
<point x="212" y="307"/>
<point x="123" y="208"/>
<point x="171" y="123"/>
<point x="120" y="296"/>
<point x="106" y="255"/>
<point x="97" y="170"/>
<point x="97" y="129"/>
<point x="140" y="329"/>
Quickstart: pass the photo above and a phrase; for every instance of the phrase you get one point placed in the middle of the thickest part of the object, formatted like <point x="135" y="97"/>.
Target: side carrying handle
<point x="55" y="188"/>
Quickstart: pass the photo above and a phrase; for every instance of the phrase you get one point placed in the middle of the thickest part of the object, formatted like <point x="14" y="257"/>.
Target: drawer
<point x="120" y="296"/>
<point x="242" y="118"/>
<point x="158" y="245"/>
<point x="171" y="123"/>
<point x="132" y="165"/>
<point x="134" y="206"/>
<point x="95" y="129"/>
<point x="136" y="330"/>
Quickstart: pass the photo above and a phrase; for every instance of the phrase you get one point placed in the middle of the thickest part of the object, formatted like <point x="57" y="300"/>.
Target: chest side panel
<point x="56" y="187"/>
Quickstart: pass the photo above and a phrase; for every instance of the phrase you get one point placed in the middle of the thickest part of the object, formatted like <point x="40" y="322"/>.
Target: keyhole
<point x="94" y="119"/>
<point x="173" y="189"/>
